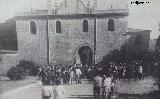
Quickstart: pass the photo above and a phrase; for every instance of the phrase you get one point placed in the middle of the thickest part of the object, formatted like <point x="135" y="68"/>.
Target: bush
<point x="24" y="68"/>
<point x="16" y="73"/>
<point x="29" y="67"/>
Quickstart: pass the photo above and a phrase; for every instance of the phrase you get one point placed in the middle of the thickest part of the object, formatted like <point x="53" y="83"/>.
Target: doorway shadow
<point x="80" y="97"/>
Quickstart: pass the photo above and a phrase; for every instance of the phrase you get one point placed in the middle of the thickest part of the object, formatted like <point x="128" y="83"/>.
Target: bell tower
<point x="49" y="7"/>
<point x="95" y="6"/>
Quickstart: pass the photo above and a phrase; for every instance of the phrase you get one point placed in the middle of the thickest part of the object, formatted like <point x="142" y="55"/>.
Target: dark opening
<point x="33" y="27"/>
<point x="58" y="27"/>
<point x="86" y="55"/>
<point x="110" y="25"/>
<point x="85" y="26"/>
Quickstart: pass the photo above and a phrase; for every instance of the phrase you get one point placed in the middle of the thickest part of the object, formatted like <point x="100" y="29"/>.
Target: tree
<point x="0" y="53"/>
<point x="157" y="60"/>
<point x="8" y="36"/>
<point x="157" y="46"/>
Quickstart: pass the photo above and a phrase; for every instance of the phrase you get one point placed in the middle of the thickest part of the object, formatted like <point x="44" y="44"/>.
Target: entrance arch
<point x="86" y="55"/>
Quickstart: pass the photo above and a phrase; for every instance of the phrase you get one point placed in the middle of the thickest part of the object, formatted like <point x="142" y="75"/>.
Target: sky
<point x="143" y="16"/>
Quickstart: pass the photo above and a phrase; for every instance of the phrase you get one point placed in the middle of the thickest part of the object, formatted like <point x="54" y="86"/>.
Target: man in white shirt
<point x="106" y="86"/>
<point x="58" y="91"/>
<point x="71" y="77"/>
<point x="97" y="81"/>
<point x="140" y="72"/>
<point x="78" y="74"/>
<point x="47" y="92"/>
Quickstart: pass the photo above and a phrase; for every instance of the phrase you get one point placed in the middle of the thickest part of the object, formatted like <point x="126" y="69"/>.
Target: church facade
<point x="74" y="29"/>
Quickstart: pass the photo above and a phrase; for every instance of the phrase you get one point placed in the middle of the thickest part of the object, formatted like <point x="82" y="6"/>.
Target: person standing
<point x="40" y="73"/>
<point x="78" y="75"/>
<point x="47" y="92"/>
<point x="97" y="83"/>
<point x="58" y="91"/>
<point x="106" y="87"/>
<point x="71" y="77"/>
<point x="140" y="72"/>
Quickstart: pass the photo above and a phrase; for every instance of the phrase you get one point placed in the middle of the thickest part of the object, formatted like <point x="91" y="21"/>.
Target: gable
<point x="72" y="7"/>
<point x="101" y="4"/>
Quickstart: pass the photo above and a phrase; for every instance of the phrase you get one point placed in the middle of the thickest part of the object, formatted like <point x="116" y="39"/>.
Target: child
<point x="58" y="91"/>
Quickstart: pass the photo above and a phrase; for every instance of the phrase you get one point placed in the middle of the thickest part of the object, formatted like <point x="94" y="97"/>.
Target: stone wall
<point x="32" y="47"/>
<point x="64" y="46"/>
<point x="109" y="40"/>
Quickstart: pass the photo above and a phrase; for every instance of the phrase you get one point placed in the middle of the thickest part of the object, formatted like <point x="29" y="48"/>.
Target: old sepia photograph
<point x="79" y="49"/>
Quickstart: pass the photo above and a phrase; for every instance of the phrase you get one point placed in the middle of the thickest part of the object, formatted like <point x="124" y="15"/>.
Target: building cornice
<point x="71" y="16"/>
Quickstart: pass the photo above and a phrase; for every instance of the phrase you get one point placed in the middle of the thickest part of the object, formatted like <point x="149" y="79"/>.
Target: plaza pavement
<point x="84" y="90"/>
<point x="74" y="91"/>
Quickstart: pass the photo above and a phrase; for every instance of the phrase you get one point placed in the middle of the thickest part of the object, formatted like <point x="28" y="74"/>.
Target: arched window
<point x="33" y="29"/>
<point x="110" y="25"/>
<point x="58" y="27"/>
<point x="85" y="26"/>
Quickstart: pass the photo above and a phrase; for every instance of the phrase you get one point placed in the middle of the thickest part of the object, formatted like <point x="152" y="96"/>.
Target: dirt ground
<point x="6" y="84"/>
<point x="124" y="89"/>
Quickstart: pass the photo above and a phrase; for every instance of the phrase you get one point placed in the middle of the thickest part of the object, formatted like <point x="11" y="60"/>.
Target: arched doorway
<point x="86" y="55"/>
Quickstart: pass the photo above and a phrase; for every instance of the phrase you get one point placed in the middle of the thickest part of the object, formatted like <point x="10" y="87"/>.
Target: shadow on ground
<point x="151" y="95"/>
<point x="81" y="97"/>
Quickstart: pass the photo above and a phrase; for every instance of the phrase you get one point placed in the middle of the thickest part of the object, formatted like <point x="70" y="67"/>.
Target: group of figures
<point x="52" y="92"/>
<point x="55" y="74"/>
<point x="132" y="70"/>
<point x="103" y="76"/>
<point x="104" y="85"/>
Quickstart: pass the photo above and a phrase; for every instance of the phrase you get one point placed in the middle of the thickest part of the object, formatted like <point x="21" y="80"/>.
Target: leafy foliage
<point x="30" y="67"/>
<point x="157" y="46"/>
<point x="16" y="73"/>
<point x="8" y="36"/>
<point x="24" y="68"/>
<point x="126" y="54"/>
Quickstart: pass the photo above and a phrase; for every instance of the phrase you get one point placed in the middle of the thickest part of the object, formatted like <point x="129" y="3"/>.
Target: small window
<point x="110" y="25"/>
<point x="33" y="27"/>
<point x="58" y="27"/>
<point x="85" y="26"/>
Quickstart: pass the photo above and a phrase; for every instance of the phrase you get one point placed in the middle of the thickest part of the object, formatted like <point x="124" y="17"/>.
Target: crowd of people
<point x="103" y="76"/>
<point x="131" y="70"/>
<point x="65" y="75"/>
<point x="57" y="75"/>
